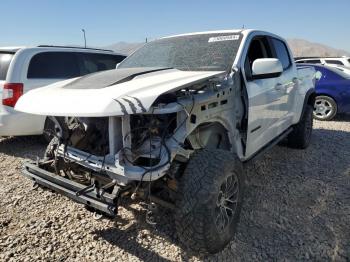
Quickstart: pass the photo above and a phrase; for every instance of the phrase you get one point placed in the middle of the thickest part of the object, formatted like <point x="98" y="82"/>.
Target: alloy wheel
<point x="227" y="202"/>
<point x="323" y="108"/>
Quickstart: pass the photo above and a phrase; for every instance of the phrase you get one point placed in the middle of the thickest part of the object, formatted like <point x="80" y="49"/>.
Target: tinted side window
<point x="282" y="53"/>
<point x="313" y="61"/>
<point x="258" y="48"/>
<point x="54" y="65"/>
<point x="98" y="62"/>
<point x="334" y="62"/>
<point x="5" y="60"/>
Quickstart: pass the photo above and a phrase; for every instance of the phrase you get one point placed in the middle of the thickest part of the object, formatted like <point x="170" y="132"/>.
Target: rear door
<point x="285" y="87"/>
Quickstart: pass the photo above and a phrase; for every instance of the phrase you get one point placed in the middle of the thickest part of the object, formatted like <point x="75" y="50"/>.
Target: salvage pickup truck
<point x="173" y="125"/>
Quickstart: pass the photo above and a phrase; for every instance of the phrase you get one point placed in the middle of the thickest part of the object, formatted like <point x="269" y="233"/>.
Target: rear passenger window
<point x="314" y="61"/>
<point x="334" y="62"/>
<point x="282" y="53"/>
<point x="54" y="65"/>
<point x="64" y="65"/>
<point x="98" y="62"/>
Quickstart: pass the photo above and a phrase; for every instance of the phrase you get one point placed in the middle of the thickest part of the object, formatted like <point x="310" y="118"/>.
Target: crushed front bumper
<point x="123" y="174"/>
<point x="89" y="196"/>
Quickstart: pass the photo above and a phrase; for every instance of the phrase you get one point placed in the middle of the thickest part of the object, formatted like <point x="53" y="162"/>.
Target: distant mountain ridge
<point x="300" y="47"/>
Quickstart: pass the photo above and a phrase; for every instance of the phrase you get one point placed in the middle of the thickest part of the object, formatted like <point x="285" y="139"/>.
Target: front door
<point x="264" y="97"/>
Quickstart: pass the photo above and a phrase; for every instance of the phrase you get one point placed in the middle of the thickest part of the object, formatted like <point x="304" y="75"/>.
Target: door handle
<point x="278" y="87"/>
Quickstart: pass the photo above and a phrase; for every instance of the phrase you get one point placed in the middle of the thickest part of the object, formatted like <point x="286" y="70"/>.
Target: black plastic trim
<point x="265" y="76"/>
<point x="105" y="203"/>
<point x="255" y="129"/>
<point x="270" y="144"/>
<point x="309" y="93"/>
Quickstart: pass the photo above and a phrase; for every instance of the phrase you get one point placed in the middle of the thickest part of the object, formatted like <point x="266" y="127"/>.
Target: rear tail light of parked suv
<point x="11" y="93"/>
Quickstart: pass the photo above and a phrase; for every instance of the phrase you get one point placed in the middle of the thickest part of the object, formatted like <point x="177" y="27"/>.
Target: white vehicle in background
<point x="344" y="69"/>
<point x="330" y="61"/>
<point x="337" y="64"/>
<point x="173" y="124"/>
<point x="25" y="68"/>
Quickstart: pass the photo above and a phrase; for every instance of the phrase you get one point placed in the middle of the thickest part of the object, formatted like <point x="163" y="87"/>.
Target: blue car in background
<point x="332" y="92"/>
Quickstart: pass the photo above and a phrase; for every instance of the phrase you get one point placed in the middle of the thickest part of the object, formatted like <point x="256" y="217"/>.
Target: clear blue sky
<point x="107" y="22"/>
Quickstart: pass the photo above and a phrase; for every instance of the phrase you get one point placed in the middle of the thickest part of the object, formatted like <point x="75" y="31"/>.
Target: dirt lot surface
<point x="297" y="208"/>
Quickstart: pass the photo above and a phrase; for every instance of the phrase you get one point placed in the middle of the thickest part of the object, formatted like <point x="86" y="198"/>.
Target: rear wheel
<point x="300" y="137"/>
<point x="209" y="201"/>
<point x="325" y="108"/>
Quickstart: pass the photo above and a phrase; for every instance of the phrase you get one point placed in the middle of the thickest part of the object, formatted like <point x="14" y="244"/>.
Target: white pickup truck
<point x="173" y="125"/>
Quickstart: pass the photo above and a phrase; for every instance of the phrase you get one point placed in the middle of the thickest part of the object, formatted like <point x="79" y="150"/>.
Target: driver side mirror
<point x="266" y="68"/>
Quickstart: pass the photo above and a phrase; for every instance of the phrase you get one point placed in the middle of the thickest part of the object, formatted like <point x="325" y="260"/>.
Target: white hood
<point x="134" y="93"/>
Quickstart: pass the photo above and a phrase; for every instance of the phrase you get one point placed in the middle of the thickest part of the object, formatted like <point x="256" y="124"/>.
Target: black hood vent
<point x="111" y="77"/>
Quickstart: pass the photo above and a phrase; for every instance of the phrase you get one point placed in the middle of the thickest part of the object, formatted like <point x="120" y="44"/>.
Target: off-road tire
<point x="332" y="105"/>
<point x="300" y="137"/>
<point x="198" y="197"/>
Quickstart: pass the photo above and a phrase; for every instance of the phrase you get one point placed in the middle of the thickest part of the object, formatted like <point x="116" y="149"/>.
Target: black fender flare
<point x="309" y="99"/>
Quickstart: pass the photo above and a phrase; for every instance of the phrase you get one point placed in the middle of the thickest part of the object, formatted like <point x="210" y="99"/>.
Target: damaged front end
<point x="98" y="160"/>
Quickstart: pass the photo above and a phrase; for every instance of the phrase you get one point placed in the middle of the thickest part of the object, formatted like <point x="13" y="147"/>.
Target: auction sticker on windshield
<point x="223" y="38"/>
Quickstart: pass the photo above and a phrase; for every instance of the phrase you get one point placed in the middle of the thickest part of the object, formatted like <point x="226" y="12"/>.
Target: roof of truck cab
<point x="233" y="31"/>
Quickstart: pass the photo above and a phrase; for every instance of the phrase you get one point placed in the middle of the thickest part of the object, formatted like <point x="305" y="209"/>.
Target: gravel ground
<point x="297" y="208"/>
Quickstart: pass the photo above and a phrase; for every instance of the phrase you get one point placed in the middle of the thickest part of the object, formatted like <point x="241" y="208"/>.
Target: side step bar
<point x="106" y="203"/>
<point x="270" y="144"/>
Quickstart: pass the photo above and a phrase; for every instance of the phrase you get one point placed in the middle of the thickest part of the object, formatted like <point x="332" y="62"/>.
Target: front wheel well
<point x="212" y="135"/>
<point x="311" y="99"/>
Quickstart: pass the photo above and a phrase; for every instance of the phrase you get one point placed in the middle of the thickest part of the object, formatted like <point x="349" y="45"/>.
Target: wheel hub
<point x="221" y="199"/>
<point x="322" y="108"/>
<point x="226" y="203"/>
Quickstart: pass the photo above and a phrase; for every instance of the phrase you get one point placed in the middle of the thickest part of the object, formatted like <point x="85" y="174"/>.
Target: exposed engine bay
<point x="143" y="155"/>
